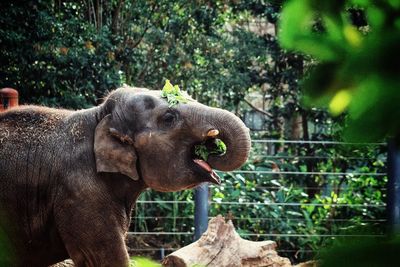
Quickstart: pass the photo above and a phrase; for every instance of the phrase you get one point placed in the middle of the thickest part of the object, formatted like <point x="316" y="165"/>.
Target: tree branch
<point x="256" y="108"/>
<point x="147" y="27"/>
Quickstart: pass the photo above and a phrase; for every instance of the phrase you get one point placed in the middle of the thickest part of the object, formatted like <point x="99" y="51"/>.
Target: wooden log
<point x="222" y="246"/>
<point x="66" y="263"/>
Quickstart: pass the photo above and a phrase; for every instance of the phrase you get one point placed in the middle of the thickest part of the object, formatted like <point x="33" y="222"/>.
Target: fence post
<point x="393" y="187"/>
<point x="200" y="210"/>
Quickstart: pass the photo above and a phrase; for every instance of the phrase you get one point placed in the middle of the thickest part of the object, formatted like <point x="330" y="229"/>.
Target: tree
<point x="353" y="42"/>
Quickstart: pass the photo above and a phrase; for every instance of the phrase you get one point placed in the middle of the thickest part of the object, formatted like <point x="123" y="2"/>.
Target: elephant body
<point x="44" y="156"/>
<point x="69" y="179"/>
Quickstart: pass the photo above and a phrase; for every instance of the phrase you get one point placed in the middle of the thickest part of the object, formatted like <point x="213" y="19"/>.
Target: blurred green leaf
<point x="143" y="262"/>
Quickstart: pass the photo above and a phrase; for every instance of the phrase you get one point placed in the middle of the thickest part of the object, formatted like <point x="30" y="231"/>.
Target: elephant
<point x="69" y="179"/>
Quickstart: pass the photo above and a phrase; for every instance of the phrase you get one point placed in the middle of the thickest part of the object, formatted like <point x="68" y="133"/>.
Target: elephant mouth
<point x="205" y="169"/>
<point x="202" y="166"/>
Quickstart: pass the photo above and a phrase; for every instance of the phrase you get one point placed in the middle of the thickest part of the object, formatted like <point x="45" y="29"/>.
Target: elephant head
<point x="141" y="136"/>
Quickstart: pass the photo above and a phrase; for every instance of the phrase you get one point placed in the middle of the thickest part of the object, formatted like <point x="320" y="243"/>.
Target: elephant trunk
<point x="232" y="132"/>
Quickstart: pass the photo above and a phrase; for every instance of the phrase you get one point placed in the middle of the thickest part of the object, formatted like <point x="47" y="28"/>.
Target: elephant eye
<point x="169" y="118"/>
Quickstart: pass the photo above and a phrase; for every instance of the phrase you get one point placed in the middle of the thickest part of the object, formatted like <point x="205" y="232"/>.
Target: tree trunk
<point x="116" y="17"/>
<point x="221" y="246"/>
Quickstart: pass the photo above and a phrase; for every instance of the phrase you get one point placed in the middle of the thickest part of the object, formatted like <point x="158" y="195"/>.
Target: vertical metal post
<point x="393" y="201"/>
<point x="200" y="210"/>
<point x="162" y="253"/>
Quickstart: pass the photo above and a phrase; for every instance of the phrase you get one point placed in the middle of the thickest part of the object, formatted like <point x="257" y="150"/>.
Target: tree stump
<point x="222" y="246"/>
<point x="66" y="263"/>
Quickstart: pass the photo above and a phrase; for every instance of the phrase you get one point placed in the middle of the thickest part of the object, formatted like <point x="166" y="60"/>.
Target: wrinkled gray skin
<point x="69" y="179"/>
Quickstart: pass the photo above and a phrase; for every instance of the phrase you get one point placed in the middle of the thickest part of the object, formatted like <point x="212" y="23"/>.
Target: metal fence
<point x="301" y="194"/>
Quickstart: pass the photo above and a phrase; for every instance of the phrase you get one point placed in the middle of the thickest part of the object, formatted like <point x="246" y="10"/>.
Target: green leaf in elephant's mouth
<point x="211" y="146"/>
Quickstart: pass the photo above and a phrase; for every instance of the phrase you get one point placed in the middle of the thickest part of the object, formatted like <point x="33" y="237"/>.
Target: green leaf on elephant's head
<point x="168" y="88"/>
<point x="173" y="94"/>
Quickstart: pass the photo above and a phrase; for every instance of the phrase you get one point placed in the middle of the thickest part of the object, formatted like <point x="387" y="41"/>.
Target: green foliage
<point x="220" y="147"/>
<point x="142" y="262"/>
<point x="216" y="147"/>
<point x="333" y="205"/>
<point x="6" y="249"/>
<point x="52" y="57"/>
<point x="201" y="151"/>
<point x="357" y="253"/>
<point x="173" y="94"/>
<point x="70" y="54"/>
<point x="357" y="70"/>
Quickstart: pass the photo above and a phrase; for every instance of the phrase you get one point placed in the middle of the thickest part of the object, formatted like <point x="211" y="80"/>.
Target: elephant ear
<point x="113" y="151"/>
